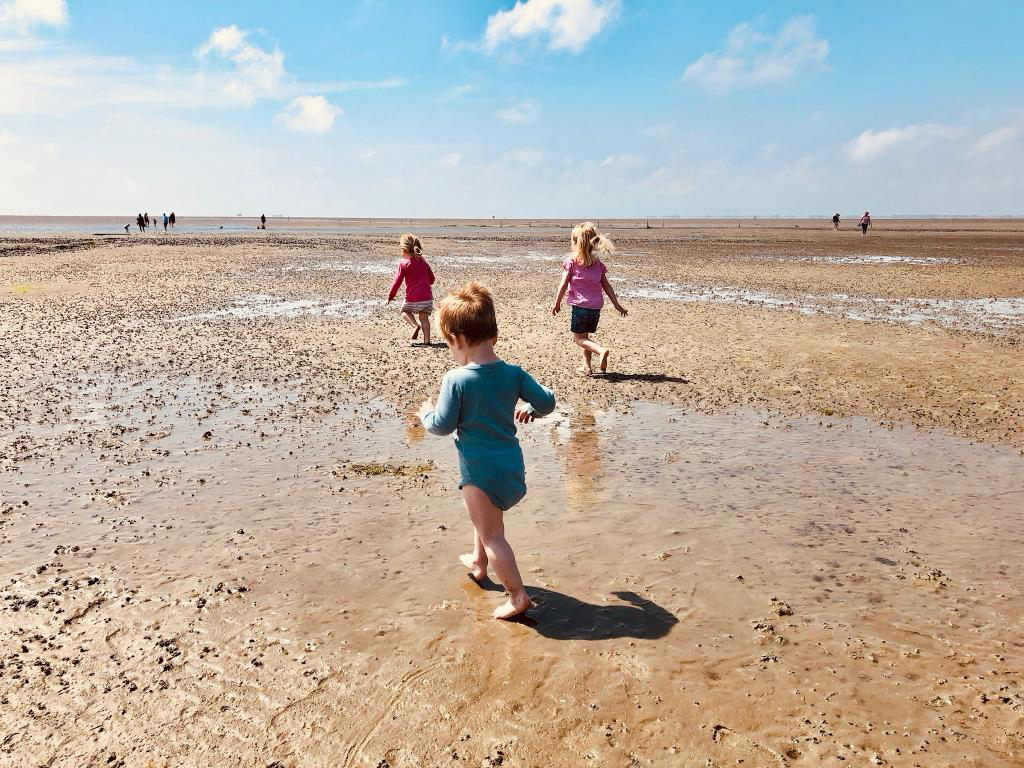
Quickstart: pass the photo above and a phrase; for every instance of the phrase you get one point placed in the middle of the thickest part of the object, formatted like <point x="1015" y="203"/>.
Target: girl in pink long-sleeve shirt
<point x="419" y="298"/>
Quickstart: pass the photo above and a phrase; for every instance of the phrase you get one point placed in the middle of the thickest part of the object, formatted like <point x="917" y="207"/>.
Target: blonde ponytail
<point x="586" y="240"/>
<point x="411" y="245"/>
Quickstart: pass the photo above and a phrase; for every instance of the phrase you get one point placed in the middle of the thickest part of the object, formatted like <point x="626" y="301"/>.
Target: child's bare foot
<point x="515" y="605"/>
<point x="585" y="370"/>
<point x="604" y="361"/>
<point x="415" y="333"/>
<point x="477" y="570"/>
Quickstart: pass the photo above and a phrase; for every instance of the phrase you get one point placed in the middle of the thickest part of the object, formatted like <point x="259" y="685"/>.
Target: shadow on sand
<point x="649" y="378"/>
<point x="561" y="617"/>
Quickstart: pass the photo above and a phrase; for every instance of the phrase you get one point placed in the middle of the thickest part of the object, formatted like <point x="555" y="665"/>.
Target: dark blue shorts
<point x="584" y="320"/>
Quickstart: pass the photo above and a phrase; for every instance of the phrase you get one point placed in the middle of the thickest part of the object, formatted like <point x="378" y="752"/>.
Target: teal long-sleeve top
<point x="478" y="402"/>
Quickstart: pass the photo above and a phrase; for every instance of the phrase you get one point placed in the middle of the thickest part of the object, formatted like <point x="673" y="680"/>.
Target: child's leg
<point x="410" y="320"/>
<point x="477" y="561"/>
<point x="425" y="325"/>
<point x="490" y="526"/>
<point x="584" y="341"/>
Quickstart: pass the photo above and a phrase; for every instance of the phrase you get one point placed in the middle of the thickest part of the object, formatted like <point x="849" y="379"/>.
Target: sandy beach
<point x="785" y="530"/>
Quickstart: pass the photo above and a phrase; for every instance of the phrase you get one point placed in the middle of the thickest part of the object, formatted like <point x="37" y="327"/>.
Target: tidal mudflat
<point x="783" y="532"/>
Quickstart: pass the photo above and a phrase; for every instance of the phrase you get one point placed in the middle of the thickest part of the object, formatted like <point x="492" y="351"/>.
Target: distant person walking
<point x="145" y="218"/>
<point x="165" y="222"/>
<point x="140" y="223"/>
<point x="263" y="220"/>
<point x="835" y="221"/>
<point x="172" y="218"/>
<point x="865" y="222"/>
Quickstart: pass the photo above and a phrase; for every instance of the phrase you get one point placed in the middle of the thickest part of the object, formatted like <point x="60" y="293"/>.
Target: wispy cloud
<point x="309" y="114"/>
<point x="660" y="130"/>
<point x="870" y="144"/>
<point x="451" y="160"/>
<point x="19" y="15"/>
<point x="1000" y="137"/>
<point x="559" y="25"/>
<point x="456" y="92"/>
<point x="752" y="57"/>
<point x="523" y="113"/>
<point x="57" y="79"/>
<point x="621" y="160"/>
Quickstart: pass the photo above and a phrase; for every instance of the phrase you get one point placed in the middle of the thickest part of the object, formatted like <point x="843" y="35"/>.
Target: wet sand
<point x="785" y="530"/>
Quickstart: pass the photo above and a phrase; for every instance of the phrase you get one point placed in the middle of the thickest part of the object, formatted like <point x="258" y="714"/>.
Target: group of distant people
<point x="143" y="222"/>
<point x="865" y="222"/>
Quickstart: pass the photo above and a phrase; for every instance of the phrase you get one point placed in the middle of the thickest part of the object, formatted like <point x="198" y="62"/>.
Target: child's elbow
<point x="439" y="428"/>
<point x="546" y="405"/>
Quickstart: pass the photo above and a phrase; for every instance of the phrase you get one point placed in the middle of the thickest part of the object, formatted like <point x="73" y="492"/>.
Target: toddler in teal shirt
<point x="479" y="402"/>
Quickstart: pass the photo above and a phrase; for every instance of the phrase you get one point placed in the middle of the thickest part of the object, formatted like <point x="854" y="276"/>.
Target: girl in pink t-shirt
<point x="419" y="297"/>
<point x="583" y="286"/>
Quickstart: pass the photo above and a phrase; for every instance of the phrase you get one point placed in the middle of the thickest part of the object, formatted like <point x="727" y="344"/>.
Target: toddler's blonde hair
<point x="469" y="312"/>
<point x="411" y="245"/>
<point x="586" y="240"/>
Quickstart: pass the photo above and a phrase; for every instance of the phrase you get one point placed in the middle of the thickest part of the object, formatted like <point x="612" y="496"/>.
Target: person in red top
<point x="419" y="298"/>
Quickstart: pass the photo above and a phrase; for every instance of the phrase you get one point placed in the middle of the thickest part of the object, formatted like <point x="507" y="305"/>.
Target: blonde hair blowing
<point x="586" y="240"/>
<point x="411" y="245"/>
<point x="469" y="312"/>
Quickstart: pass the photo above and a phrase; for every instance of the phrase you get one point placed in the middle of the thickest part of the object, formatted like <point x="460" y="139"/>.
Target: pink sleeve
<point x="430" y="272"/>
<point x="399" y="274"/>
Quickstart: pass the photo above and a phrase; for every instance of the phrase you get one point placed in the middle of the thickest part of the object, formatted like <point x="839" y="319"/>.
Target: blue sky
<point x="534" y="108"/>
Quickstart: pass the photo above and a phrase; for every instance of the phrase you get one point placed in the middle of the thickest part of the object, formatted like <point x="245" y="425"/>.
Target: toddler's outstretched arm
<point x="540" y="400"/>
<point x="561" y="294"/>
<point x="399" y="276"/>
<point x="611" y="295"/>
<point x="443" y="418"/>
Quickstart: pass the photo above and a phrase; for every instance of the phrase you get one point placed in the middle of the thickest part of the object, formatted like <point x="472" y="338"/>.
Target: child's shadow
<point x="562" y="617"/>
<point x="647" y="378"/>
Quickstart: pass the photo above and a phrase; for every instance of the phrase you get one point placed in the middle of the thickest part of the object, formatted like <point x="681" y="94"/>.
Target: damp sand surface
<point x="226" y="541"/>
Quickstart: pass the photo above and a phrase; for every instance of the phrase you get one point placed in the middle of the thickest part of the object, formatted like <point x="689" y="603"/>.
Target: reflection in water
<point x="414" y="431"/>
<point x="581" y="461"/>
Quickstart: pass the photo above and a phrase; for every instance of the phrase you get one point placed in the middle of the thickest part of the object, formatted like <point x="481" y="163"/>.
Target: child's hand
<point x="524" y="416"/>
<point x="425" y="407"/>
<point x="556" y="309"/>
<point x="622" y="310"/>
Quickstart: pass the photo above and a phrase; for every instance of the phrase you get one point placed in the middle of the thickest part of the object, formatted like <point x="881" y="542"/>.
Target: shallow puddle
<point x="870" y="258"/>
<point x="993" y="315"/>
<point x="256" y="306"/>
<point x="783" y="587"/>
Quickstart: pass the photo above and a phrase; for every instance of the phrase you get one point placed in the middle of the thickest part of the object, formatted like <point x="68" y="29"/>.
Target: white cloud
<point x="451" y="160"/>
<point x="870" y="144"/>
<point x="996" y="139"/>
<point x="368" y="155"/>
<point x="19" y="15"/>
<point x="751" y="57"/>
<point x="457" y="92"/>
<point x="526" y="156"/>
<point x="621" y="160"/>
<point x="660" y="130"/>
<point x="523" y="113"/>
<point x="309" y="114"/>
<point x="561" y="24"/>
<point x="54" y="79"/>
<point x="257" y="72"/>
